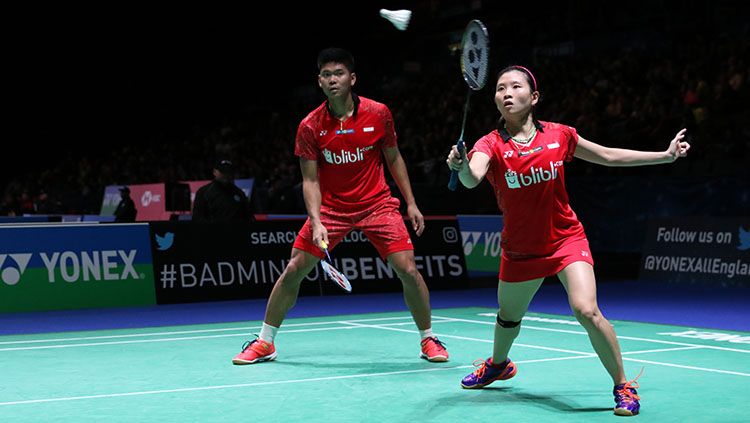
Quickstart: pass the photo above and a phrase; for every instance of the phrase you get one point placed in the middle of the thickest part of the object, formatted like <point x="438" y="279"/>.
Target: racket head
<point x="336" y="276"/>
<point x="475" y="54"/>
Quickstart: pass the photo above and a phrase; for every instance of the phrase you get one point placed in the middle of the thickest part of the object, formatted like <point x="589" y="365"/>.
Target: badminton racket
<point x="475" y="51"/>
<point x="333" y="273"/>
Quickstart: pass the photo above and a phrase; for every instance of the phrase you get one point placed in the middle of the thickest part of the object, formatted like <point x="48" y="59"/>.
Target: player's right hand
<point x="320" y="236"/>
<point x="457" y="160"/>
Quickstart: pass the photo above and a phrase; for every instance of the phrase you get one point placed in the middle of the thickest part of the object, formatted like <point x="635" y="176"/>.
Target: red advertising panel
<point x="149" y="201"/>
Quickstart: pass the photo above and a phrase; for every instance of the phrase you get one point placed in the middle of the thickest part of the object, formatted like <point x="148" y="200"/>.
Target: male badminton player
<point x="342" y="146"/>
<point x="523" y="161"/>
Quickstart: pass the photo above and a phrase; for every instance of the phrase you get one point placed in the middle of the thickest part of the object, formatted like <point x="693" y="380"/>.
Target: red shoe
<point x="254" y="352"/>
<point x="433" y="350"/>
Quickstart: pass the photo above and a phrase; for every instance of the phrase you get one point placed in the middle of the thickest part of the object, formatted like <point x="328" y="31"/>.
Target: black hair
<point x="336" y="55"/>
<point x="532" y="83"/>
<point x="527" y="73"/>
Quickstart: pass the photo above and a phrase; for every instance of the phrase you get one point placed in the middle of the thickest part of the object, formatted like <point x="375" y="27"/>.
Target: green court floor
<point x="366" y="368"/>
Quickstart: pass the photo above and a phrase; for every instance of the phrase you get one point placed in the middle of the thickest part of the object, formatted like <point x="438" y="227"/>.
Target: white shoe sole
<point x="624" y="412"/>
<point x="257" y="360"/>
<point x="436" y="359"/>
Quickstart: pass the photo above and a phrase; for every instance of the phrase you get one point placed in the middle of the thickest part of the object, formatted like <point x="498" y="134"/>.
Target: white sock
<point x="268" y="332"/>
<point x="425" y="333"/>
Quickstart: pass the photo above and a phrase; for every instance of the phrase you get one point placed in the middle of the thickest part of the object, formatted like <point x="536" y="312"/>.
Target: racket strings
<point x="336" y="276"/>
<point x="475" y="55"/>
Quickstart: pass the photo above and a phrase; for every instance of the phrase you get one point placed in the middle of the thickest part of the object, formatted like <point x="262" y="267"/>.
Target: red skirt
<point x="523" y="269"/>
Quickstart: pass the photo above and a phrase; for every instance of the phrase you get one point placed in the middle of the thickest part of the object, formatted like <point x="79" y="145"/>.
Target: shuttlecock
<point x="399" y="18"/>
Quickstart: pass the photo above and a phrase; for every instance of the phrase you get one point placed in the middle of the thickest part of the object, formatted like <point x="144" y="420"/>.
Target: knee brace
<point x="507" y="324"/>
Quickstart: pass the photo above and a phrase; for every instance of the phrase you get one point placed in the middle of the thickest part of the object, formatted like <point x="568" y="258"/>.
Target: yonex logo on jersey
<point x="518" y="180"/>
<point x="508" y="154"/>
<point x="345" y="156"/>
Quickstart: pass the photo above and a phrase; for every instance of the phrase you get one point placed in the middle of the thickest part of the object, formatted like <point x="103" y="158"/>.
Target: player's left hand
<point x="678" y="147"/>
<point x="416" y="218"/>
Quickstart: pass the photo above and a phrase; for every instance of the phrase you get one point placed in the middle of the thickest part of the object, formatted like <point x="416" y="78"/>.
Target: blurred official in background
<point x="221" y="200"/>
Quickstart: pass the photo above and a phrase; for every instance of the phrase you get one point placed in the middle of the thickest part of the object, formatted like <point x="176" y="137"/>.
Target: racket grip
<point x="453" y="182"/>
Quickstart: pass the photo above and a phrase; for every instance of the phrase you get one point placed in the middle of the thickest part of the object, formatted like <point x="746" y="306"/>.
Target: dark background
<point x="86" y="81"/>
<point x="85" y="78"/>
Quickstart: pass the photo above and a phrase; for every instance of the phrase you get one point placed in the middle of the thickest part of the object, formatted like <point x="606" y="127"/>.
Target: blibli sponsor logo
<point x="537" y="175"/>
<point x="511" y="178"/>
<point x="344" y="156"/>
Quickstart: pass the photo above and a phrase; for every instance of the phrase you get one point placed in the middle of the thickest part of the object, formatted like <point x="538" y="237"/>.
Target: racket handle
<point x="324" y="245"/>
<point x="453" y="183"/>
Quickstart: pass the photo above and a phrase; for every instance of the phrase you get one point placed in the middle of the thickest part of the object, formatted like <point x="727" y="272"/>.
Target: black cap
<point x="125" y="189"/>
<point x="224" y="166"/>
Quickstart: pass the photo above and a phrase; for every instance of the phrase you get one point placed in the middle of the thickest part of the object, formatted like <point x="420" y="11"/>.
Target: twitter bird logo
<point x="164" y="242"/>
<point x="744" y="239"/>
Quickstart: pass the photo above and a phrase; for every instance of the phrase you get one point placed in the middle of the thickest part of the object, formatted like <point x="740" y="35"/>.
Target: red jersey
<point x="349" y="153"/>
<point x="529" y="184"/>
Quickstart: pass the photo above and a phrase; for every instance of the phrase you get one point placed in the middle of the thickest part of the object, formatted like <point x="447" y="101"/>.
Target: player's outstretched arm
<point x="606" y="156"/>
<point x="470" y="172"/>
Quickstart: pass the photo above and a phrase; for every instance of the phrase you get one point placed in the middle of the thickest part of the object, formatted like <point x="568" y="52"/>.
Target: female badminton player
<point x="523" y="159"/>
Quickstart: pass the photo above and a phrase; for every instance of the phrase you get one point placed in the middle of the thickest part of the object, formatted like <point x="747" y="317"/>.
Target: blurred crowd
<point x="628" y="97"/>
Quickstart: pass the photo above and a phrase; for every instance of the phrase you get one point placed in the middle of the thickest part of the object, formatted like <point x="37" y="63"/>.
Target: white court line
<point x="661" y="350"/>
<point x="182" y="332"/>
<point x="278" y="382"/>
<point x="688" y="346"/>
<point x="465" y="338"/>
<point x="186" y="338"/>
<point x="142" y="341"/>
<point x="728" y="372"/>
<point x="135" y="335"/>
<point x="582" y="353"/>
<point x="630" y="338"/>
<point x="351" y="324"/>
<point x="354" y="325"/>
